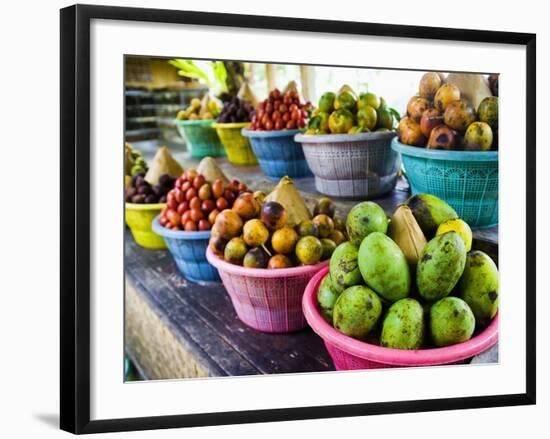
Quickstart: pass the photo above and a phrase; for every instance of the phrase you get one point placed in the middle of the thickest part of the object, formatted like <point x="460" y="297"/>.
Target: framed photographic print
<point x="276" y="218"/>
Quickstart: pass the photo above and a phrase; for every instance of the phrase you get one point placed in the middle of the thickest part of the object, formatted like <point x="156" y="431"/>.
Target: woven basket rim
<point x="344" y="138"/>
<point x="239" y="270"/>
<point x="178" y="234"/>
<point x="434" y="154"/>
<point x="269" y="134"/>
<point x="193" y="122"/>
<point x="231" y="125"/>
<point x="144" y="206"/>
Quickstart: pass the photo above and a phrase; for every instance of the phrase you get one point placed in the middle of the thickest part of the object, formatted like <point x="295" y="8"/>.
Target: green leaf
<point x="220" y="73"/>
<point x="189" y="69"/>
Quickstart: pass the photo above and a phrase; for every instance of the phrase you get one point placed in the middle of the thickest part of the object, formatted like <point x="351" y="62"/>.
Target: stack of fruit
<point x="205" y="109"/>
<point x="280" y="112"/>
<point x="134" y="163"/>
<point x="440" y="118"/>
<point x="257" y="234"/>
<point x="346" y="113"/>
<point x="194" y="203"/>
<point x="140" y="191"/>
<point x="412" y="285"/>
<point x="236" y="111"/>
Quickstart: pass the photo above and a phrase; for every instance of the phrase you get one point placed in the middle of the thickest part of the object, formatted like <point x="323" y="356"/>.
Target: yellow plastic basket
<point x="139" y="218"/>
<point x="237" y="147"/>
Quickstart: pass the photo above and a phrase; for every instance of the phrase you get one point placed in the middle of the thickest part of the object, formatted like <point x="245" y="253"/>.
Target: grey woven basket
<point x="352" y="165"/>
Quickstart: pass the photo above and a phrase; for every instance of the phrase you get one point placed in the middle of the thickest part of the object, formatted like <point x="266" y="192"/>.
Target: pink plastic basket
<point x="266" y="300"/>
<point x="350" y="354"/>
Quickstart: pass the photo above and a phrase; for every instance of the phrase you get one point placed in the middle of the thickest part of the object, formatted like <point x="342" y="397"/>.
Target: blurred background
<point x="157" y="88"/>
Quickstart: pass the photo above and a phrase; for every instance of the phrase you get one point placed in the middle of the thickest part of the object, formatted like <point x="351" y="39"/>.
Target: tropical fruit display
<point x="206" y="108"/>
<point x="458" y="112"/>
<point x="409" y="282"/>
<point x="140" y="191"/>
<point x="235" y="110"/>
<point x="134" y="163"/>
<point x="280" y="112"/>
<point x="194" y="203"/>
<point x="346" y="112"/>
<point x="277" y="230"/>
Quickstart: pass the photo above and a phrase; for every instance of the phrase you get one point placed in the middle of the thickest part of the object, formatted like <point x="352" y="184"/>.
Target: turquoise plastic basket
<point x="202" y="139"/>
<point x="467" y="180"/>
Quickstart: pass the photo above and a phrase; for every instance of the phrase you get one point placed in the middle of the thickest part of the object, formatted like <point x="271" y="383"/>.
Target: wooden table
<point x="175" y="328"/>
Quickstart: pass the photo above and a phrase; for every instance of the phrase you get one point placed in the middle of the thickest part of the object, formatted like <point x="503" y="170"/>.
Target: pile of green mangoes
<point x="411" y="282"/>
<point x="347" y="113"/>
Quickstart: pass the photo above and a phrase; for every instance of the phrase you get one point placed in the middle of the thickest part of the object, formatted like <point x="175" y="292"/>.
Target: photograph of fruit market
<point x="286" y="218"/>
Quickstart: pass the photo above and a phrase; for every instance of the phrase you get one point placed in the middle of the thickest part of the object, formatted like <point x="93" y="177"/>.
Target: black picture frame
<point x="75" y="217"/>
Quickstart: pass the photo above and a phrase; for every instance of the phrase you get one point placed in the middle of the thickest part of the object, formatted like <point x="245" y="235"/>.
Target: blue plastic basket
<point x="278" y="153"/>
<point x="467" y="180"/>
<point x="189" y="251"/>
<point x="202" y="139"/>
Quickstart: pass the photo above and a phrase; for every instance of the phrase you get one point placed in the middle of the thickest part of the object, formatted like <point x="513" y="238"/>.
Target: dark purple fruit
<point x="273" y="215"/>
<point x="138" y="199"/>
<point x="256" y="258"/>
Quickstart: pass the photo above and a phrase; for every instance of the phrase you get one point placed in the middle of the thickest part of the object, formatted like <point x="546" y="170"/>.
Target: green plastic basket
<point x="467" y="180"/>
<point x="202" y="139"/>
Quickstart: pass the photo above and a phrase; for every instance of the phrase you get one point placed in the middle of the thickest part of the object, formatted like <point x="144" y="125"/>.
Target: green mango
<point x="451" y="321"/>
<point x="440" y="266"/>
<point x="345" y="100"/>
<point x="340" y="121"/>
<point x="365" y="218"/>
<point x="367" y="117"/>
<point x="368" y="99"/>
<point x="430" y="212"/>
<point x="384" y="267"/>
<point x="385" y="119"/>
<point x="344" y="268"/>
<point x="356" y="311"/>
<point x="326" y="103"/>
<point x="326" y="298"/>
<point x="403" y="326"/>
<point x="478" y="286"/>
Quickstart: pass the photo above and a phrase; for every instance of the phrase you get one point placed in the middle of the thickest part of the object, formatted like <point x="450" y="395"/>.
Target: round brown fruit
<point x="195" y="203"/>
<point x="217" y="188"/>
<point x="442" y="137"/>
<point x="308" y="228"/>
<point x="458" y="115"/>
<point x="309" y="250"/>
<point x="212" y="216"/>
<point x="191" y="193"/>
<point x="337" y="236"/>
<point x="196" y="215"/>
<point x="228" y="224"/>
<point x="279" y="261"/>
<point x="410" y="133"/>
<point x="284" y="240"/>
<point x="204" y="225"/>
<point x="246" y="206"/>
<point x="430" y="119"/>
<point x="221" y="204"/>
<point x="324" y="205"/>
<point x="328" y="247"/>
<point x="205" y="191"/>
<point x="190" y="226"/>
<point x="230" y="196"/>
<point x="173" y="216"/>
<point x="273" y="215"/>
<point x="446" y="94"/>
<point x="255" y="233"/>
<point x="208" y="206"/>
<point x="429" y="84"/>
<point x="182" y="207"/>
<point x="217" y="244"/>
<point x="325" y="225"/>
<point x="198" y="181"/>
<point x="416" y="107"/>
<point x="235" y="250"/>
<point x="256" y="258"/>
